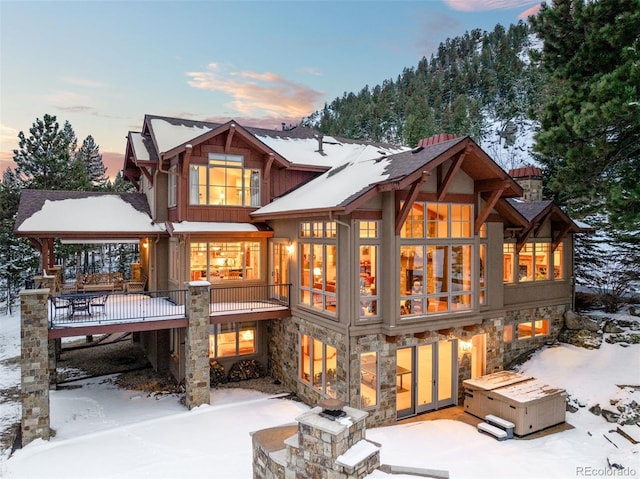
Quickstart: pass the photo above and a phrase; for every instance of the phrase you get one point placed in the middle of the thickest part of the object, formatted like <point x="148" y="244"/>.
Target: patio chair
<point x="60" y="306"/>
<point x="136" y="286"/>
<point x="99" y="302"/>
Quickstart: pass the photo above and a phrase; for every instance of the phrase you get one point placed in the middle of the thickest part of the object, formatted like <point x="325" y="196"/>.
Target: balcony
<point x="147" y="310"/>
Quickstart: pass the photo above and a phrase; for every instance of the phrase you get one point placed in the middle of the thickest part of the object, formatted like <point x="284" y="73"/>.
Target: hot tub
<point x="530" y="404"/>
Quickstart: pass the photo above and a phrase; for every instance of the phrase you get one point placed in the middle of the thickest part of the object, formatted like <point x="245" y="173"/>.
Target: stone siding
<point x="34" y="365"/>
<point x="197" y="390"/>
<point x="517" y="348"/>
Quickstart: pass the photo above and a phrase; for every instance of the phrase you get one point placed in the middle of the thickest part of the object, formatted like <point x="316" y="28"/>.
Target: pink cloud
<point x="256" y="94"/>
<point x="482" y="5"/>
<point x="530" y="12"/>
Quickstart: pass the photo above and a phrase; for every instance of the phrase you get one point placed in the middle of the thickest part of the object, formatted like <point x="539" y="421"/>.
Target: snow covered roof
<point x="300" y="145"/>
<point x="216" y="227"/>
<point x="344" y="186"/>
<point x="67" y="214"/>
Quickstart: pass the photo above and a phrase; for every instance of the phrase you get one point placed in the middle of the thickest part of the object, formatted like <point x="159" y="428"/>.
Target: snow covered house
<point x="400" y="272"/>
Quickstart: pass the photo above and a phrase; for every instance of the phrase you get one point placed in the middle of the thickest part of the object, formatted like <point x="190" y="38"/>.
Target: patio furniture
<point x="60" y="306"/>
<point x="136" y="286"/>
<point x="99" y="302"/>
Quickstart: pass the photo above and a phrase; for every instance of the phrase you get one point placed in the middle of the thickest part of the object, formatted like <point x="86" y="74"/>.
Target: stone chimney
<point x="530" y="179"/>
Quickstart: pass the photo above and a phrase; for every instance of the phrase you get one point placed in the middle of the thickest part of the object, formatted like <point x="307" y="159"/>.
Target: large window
<point x="369" y="234"/>
<point x="318" y="271"/>
<point x="318" y="362"/>
<point x="534" y="262"/>
<point x="224" y="181"/>
<point x="232" y="339"/>
<point x="436" y="276"/>
<point x="232" y="261"/>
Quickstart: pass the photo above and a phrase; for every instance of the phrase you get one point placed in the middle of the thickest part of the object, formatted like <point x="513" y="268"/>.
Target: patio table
<point x="80" y="302"/>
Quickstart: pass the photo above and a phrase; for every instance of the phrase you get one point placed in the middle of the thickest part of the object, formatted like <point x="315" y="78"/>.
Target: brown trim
<point x="118" y="328"/>
<point x="147" y="174"/>
<point x="524" y="237"/>
<point x="448" y="179"/>
<point x="367" y="215"/>
<point x="486" y="209"/>
<point x="223" y="234"/>
<point x="408" y="203"/>
<point x="463" y="198"/>
<point x="230" y="133"/>
<point x="185" y="163"/>
<point x="559" y="236"/>
<point x="254" y="316"/>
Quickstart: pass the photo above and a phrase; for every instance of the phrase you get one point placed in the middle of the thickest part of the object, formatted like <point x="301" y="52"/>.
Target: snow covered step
<point x="499" y="434"/>
<point x="618" y="440"/>
<point x="508" y="426"/>
<point x="631" y="432"/>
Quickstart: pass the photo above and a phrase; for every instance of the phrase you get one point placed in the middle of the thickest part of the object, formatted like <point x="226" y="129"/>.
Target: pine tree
<point x="89" y="155"/>
<point x="45" y="159"/>
<point x="589" y="138"/>
<point x="17" y="258"/>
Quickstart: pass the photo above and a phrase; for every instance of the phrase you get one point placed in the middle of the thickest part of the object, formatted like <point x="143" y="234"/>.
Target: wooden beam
<point x="559" y="236"/>
<point x="448" y="179"/>
<point x="227" y="145"/>
<point x="523" y="237"/>
<point x="391" y="339"/>
<point x="267" y="166"/>
<point x="413" y="194"/>
<point x="147" y="173"/>
<point x="186" y="159"/>
<point x="486" y="209"/>
<point x="490" y="185"/>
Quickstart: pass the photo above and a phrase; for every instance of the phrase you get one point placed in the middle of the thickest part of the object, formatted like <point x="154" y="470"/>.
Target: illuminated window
<point x="508" y="262"/>
<point x="536" y="328"/>
<point x="232" y="261"/>
<point x="368" y="256"/>
<point x="533" y="262"/>
<point x="507" y="333"/>
<point x="232" y="339"/>
<point x="224" y="181"/>
<point x="368" y="380"/>
<point x="557" y="262"/>
<point x="442" y="283"/>
<point x="436" y="278"/>
<point x="319" y="260"/>
<point x="524" y="331"/>
<point x="318" y="365"/>
<point x="541" y="327"/>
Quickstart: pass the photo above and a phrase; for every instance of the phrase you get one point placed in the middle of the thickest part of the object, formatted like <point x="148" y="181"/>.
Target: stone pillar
<point x="34" y="364"/>
<point x="197" y="345"/>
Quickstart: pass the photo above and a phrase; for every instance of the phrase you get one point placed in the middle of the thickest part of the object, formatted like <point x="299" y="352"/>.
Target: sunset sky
<point x="102" y="65"/>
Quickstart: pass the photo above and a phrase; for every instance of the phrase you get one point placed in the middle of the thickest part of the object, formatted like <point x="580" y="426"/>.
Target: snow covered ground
<point x="102" y="431"/>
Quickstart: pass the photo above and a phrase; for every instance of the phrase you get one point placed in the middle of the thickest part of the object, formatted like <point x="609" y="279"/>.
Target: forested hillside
<point x="481" y="84"/>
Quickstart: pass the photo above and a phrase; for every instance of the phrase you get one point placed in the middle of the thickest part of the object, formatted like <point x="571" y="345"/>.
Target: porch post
<point x="34" y="365"/>
<point x="197" y="345"/>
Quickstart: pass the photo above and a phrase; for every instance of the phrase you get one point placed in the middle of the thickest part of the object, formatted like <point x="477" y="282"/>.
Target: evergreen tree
<point x="589" y="139"/>
<point x="89" y="155"/>
<point x="17" y="258"/>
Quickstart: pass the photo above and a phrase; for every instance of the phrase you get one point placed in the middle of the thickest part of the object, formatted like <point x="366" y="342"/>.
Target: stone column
<point x="34" y="364"/>
<point x="197" y="345"/>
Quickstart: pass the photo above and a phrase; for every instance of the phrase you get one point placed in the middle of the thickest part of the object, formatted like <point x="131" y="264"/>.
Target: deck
<point x="90" y="313"/>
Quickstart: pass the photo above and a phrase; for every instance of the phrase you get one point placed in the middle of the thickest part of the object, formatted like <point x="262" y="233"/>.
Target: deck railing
<point x="90" y="308"/>
<point x="249" y="298"/>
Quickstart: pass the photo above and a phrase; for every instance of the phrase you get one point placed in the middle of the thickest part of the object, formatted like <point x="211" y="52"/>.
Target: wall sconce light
<point x="145" y="244"/>
<point x="465" y="346"/>
<point x="289" y="249"/>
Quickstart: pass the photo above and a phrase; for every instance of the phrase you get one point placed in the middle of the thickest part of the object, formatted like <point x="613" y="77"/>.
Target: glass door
<point x="426" y="377"/>
<point x="426" y="373"/>
<point x="447" y="383"/>
<point x="279" y="268"/>
<point x="405" y="401"/>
